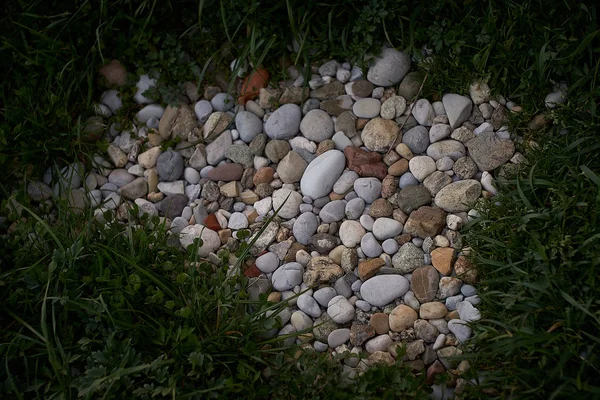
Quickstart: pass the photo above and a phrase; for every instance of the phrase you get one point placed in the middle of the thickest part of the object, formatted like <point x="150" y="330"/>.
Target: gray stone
<point x="135" y="189"/>
<point x="324" y="295"/>
<point x="322" y="173"/>
<point x="458" y="108"/>
<point x="345" y="182"/>
<point x="333" y="211"/>
<point x="217" y="150"/>
<point x="439" y="132"/>
<point x="291" y="167"/>
<point x="354" y="208"/>
<point x="489" y="152"/>
<point x="267" y="263"/>
<point x="351" y="233"/>
<point x="385" y="228"/>
<point x="424" y="330"/>
<point x="436" y="181"/>
<point x="309" y="305"/>
<point x="367" y="108"/>
<point x="203" y="109"/>
<point x="467" y="312"/>
<point x="417" y="139"/>
<point x="289" y="201"/>
<point x="248" y="125"/>
<point x="389" y="68"/>
<point x="284" y="123"/>
<point x="210" y="238"/>
<point x="460" y="329"/>
<point x="408" y="258"/>
<point x="317" y="126"/>
<point x="338" y="337"/>
<point x="304" y="227"/>
<point x="323" y="327"/>
<point x="383" y="289"/>
<point x="369" y="189"/>
<point x="287" y="276"/>
<point x="465" y="168"/>
<point x="370" y="246"/>
<point x="340" y="310"/>
<point x="222" y="102"/>
<point x="276" y="150"/>
<point x="240" y="154"/>
<point x="423" y="113"/>
<point x="407" y="179"/>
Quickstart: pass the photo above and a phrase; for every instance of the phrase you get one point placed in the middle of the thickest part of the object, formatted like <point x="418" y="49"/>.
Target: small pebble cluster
<point x="372" y="188"/>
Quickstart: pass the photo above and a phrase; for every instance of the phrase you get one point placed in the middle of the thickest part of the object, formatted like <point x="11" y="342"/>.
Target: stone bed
<point x="377" y="189"/>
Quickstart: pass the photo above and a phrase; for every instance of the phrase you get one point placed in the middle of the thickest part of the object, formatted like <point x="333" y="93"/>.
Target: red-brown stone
<point x="252" y="272"/>
<point x="365" y="163"/>
<point x="255" y="81"/>
<point x="211" y="222"/>
<point x="226" y="173"/>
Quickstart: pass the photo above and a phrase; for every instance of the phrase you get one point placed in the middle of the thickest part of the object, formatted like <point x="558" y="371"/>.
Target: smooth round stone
<point x="421" y="167"/>
<point x="248" y="125"/>
<point x="148" y="112"/>
<point x="340" y="310"/>
<point x="317" y="126"/>
<point x="383" y="289"/>
<point x="309" y="305"/>
<point x="322" y="173"/>
<point x="222" y="102"/>
<point x="456" y="196"/>
<point x="284" y="123"/>
<point x="370" y="246"/>
<point x="304" y="227"/>
<point x="120" y="177"/>
<point x="203" y="109"/>
<point x="287" y="330"/>
<point x="451" y="148"/>
<point x="351" y="233"/>
<point x="169" y="166"/>
<point x="320" y="346"/>
<point x="306" y="208"/>
<point x="356" y="285"/>
<point x="303" y="143"/>
<point x="237" y="220"/>
<point x="324" y="295"/>
<point x="363" y="305"/>
<point x="341" y="141"/>
<point x="354" y="208"/>
<point x="379" y="134"/>
<point x="417" y="139"/>
<point x="178" y="224"/>
<point x="338" y="337"/>
<point x="367" y="107"/>
<point x="406" y="180"/>
<point x="287" y="276"/>
<point x="342" y="287"/>
<point x="468" y="290"/>
<point x="367" y="222"/>
<point x="111" y="99"/>
<point x="389" y="67"/>
<point x="369" y="189"/>
<point x="444" y="164"/>
<point x="452" y="302"/>
<point x="290" y="206"/>
<point x="385" y="228"/>
<point x="333" y="211"/>
<point x="345" y="182"/>
<point x="378" y="343"/>
<point x="267" y="263"/>
<point x="390" y="246"/>
<point x="301" y="321"/>
<point x="191" y="175"/>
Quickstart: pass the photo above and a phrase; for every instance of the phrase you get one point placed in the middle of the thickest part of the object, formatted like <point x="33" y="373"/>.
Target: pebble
<point x="351" y="232"/>
<point x="380" y="134"/>
<point x="389" y="67"/>
<point x="289" y="201"/>
<point x="248" y="125"/>
<point x="378" y="343"/>
<point x="423" y="113"/>
<point x="309" y="305"/>
<point x="333" y="211"/>
<point x="354" y="208"/>
<point x="284" y="122"/>
<point x="421" y="167"/>
<point x="151" y="111"/>
<point x="338" y="337"/>
<point x="222" y="102"/>
<point x="369" y="189"/>
<point x="390" y="246"/>
<point x="322" y="173"/>
<point x="340" y="310"/>
<point x="287" y="276"/>
<point x="385" y="228"/>
<point x="467" y="312"/>
<point x="324" y="295"/>
<point x="366" y="108"/>
<point x="300" y="320"/>
<point x="317" y="126"/>
<point x="203" y="109"/>
<point x="460" y="329"/>
<point x="383" y="289"/>
<point x="457" y="196"/>
<point x="458" y="108"/>
<point x="237" y="220"/>
<point x="305" y="227"/>
<point x="210" y="238"/>
<point x="144" y="83"/>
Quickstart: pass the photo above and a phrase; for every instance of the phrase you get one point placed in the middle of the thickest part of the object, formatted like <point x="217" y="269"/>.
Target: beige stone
<point x="432" y="310"/>
<point x="402" y="317"/>
<point x="442" y="258"/>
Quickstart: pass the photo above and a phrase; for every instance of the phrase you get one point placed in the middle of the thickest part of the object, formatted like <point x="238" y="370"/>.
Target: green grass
<point x="133" y="303"/>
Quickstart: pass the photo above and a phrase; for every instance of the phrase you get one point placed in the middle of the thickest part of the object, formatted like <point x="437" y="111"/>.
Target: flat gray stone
<point x="383" y="289"/>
